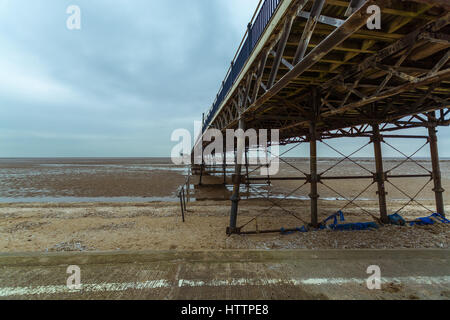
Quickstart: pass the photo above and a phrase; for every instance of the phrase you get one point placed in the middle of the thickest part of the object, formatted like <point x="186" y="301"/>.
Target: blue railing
<point x="252" y="37"/>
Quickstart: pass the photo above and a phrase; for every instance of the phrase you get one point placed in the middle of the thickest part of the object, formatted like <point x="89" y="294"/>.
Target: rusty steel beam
<point x="351" y="25"/>
<point x="439" y="76"/>
<point x="401" y="44"/>
<point x="440" y="3"/>
<point x="236" y="186"/>
<point x="437" y="176"/>
<point x="353" y="6"/>
<point x="308" y="30"/>
<point x="380" y="174"/>
<point x="314" y="177"/>
<point x="280" y="51"/>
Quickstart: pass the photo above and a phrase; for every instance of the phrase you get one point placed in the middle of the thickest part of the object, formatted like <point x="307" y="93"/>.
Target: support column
<point x="380" y="174"/>
<point x="247" y="183"/>
<point x="237" y="177"/>
<point x="314" y="196"/>
<point x="224" y="165"/>
<point x="202" y="166"/>
<point x="437" y="176"/>
<point x="203" y="160"/>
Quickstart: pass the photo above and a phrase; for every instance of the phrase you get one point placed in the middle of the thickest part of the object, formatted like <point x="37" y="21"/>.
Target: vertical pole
<point x="189" y="185"/>
<point x="380" y="174"/>
<point x="184" y="200"/>
<point x="237" y="183"/>
<point x="201" y="173"/>
<point x="437" y="176"/>
<point x="203" y="160"/>
<point x="247" y="183"/>
<point x="224" y="165"/>
<point x="314" y="196"/>
<point x="182" y="207"/>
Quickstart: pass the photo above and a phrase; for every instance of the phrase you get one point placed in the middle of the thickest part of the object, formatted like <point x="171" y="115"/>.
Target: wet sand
<point x="78" y="180"/>
<point x="141" y="222"/>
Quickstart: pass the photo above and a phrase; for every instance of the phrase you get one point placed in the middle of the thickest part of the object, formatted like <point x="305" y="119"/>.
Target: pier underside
<point x="318" y="72"/>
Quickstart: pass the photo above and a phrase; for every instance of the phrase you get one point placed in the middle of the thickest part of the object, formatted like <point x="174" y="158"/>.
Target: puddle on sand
<point x="87" y="199"/>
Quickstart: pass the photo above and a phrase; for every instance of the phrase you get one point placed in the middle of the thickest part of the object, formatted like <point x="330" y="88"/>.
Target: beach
<point x="131" y="204"/>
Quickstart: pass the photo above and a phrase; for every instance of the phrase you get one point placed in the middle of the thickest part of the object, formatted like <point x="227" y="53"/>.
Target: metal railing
<point x="184" y="193"/>
<point x="254" y="32"/>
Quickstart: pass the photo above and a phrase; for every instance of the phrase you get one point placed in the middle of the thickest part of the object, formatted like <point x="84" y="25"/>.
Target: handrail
<point x="184" y="194"/>
<point x="255" y="29"/>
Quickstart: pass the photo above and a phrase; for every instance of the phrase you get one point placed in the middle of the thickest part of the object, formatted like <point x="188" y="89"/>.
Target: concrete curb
<point x="126" y="257"/>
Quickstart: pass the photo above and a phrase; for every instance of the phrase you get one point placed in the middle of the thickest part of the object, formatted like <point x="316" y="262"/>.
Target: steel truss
<point x="321" y="74"/>
<point x="377" y="136"/>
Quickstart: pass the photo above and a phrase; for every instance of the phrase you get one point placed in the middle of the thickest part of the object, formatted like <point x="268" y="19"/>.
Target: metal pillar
<point x="203" y="160"/>
<point x="247" y="183"/>
<point x="380" y="174"/>
<point x="437" y="176"/>
<point x="314" y="178"/>
<point x="237" y="177"/>
<point x="201" y="173"/>
<point x="224" y="165"/>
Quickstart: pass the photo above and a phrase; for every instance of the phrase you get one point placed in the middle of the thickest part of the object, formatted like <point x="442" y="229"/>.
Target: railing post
<point x="232" y="72"/>
<point x="437" y="176"/>
<point x="184" y="199"/>
<point x="380" y="174"/>
<point x="203" y="122"/>
<point x="182" y="206"/>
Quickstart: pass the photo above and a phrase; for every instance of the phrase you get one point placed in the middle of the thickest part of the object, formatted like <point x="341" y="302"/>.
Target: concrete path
<point x="406" y="274"/>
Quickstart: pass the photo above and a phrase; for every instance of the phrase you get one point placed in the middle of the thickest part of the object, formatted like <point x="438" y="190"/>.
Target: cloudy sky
<point x="136" y="71"/>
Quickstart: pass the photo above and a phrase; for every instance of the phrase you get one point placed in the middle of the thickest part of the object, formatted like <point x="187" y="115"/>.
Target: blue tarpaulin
<point x="394" y="219"/>
<point x="397" y="220"/>
<point x="431" y="220"/>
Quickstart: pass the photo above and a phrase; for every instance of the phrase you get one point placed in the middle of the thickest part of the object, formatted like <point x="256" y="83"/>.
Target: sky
<point x="135" y="72"/>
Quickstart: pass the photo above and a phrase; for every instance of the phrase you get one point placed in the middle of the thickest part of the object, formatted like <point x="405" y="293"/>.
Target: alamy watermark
<point x="374" y="21"/>
<point x="73" y="22"/>
<point x="215" y="148"/>
<point x="74" y="280"/>
<point x="374" y="281"/>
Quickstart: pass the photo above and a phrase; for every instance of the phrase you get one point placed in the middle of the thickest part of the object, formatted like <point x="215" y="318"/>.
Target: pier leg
<point x="380" y="174"/>
<point x="437" y="176"/>
<point x="314" y="196"/>
<point x="232" y="229"/>
<point x="247" y="173"/>
<point x="189" y="186"/>
<point x="224" y="165"/>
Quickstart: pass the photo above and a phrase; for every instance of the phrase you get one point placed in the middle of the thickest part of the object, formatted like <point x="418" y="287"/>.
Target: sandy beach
<point x="158" y="226"/>
<point x="59" y="215"/>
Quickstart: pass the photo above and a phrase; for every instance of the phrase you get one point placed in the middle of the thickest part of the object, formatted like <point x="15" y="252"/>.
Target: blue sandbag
<point x="397" y="219"/>
<point x="339" y="217"/>
<point x="431" y="220"/>
<point x="441" y="218"/>
<point x="283" y="231"/>
<point x="423" y="222"/>
<point x="355" y="226"/>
